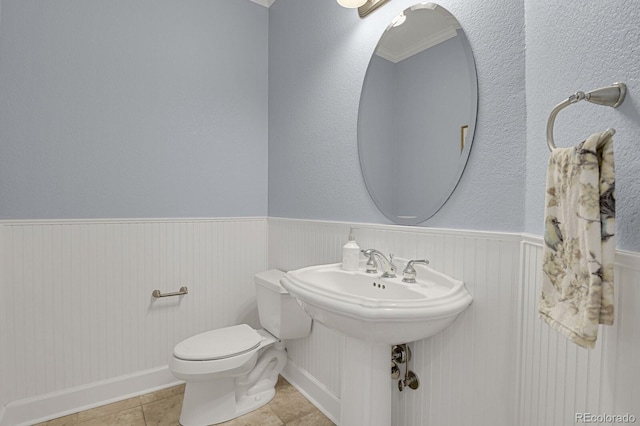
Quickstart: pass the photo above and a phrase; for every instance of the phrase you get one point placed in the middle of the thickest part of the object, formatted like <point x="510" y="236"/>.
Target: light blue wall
<point x="159" y="108"/>
<point x="146" y="108"/>
<point x="574" y="45"/>
<point x="318" y="56"/>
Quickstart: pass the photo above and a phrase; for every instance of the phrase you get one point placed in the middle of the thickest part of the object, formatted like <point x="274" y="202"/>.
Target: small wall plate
<point x="412" y="380"/>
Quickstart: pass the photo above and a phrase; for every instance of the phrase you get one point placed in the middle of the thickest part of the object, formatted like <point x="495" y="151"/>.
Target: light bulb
<point x="351" y="4"/>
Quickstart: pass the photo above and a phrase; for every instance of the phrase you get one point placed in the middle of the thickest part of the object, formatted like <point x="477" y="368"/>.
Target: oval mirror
<point x="417" y="113"/>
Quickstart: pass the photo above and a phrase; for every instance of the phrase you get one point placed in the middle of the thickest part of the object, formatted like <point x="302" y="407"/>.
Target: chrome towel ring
<point x="611" y="96"/>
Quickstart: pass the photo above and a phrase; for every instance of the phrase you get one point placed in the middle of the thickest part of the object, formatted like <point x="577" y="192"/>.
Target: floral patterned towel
<point x="579" y="240"/>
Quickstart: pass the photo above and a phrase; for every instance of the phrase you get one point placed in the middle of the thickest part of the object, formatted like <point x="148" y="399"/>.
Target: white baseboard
<point x="57" y="404"/>
<point x="325" y="400"/>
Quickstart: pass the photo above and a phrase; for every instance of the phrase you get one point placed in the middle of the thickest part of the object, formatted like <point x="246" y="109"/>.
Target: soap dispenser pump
<point x="351" y="253"/>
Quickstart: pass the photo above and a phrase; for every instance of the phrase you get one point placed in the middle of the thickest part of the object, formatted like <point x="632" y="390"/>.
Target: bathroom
<point x="157" y="144"/>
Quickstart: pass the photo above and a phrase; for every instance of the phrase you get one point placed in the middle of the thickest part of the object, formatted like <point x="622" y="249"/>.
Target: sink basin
<point x="378" y="310"/>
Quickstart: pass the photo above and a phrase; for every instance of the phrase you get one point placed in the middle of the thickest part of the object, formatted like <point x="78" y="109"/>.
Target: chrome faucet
<point x="388" y="268"/>
<point x="409" y="273"/>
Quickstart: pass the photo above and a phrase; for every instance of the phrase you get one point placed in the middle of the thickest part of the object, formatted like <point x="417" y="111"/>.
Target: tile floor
<point x="287" y="408"/>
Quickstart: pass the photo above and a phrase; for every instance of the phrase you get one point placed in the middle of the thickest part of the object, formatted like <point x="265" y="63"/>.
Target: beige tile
<point x="316" y="418"/>
<point x="161" y="394"/>
<point x="289" y="404"/>
<point x="70" y="420"/>
<point x="129" y="417"/>
<point x="163" y="412"/>
<point x="263" y="416"/>
<point x="281" y="382"/>
<point x="105" y="410"/>
<point x="235" y="422"/>
<point x="163" y="408"/>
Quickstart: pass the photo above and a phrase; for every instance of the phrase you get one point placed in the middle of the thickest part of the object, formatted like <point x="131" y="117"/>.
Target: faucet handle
<point x="393" y="266"/>
<point x="409" y="273"/>
<point x="372" y="265"/>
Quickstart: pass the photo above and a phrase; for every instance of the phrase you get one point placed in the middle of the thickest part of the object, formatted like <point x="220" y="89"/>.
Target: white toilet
<point x="232" y="371"/>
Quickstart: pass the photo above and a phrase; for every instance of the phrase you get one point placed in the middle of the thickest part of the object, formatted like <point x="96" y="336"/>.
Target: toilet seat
<point x="218" y="344"/>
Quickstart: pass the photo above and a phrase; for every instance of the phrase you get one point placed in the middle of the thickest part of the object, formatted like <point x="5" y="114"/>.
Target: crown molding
<point x="414" y="49"/>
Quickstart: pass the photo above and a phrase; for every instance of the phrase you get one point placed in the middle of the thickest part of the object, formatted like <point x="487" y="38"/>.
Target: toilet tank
<point x="279" y="313"/>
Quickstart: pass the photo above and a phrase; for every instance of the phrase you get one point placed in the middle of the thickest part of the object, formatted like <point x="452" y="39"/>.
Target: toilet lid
<point x="218" y="344"/>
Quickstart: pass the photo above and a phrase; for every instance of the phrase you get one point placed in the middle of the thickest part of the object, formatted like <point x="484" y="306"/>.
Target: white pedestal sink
<point x="374" y="313"/>
<point x="365" y="390"/>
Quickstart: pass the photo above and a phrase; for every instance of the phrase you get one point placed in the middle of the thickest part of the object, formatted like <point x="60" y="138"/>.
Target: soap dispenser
<point x="351" y="253"/>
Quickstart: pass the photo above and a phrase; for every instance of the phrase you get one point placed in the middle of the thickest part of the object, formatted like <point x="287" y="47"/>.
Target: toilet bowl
<point x="233" y="370"/>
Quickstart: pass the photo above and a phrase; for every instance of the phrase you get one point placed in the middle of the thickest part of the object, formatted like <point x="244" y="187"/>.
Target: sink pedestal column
<point x="365" y="392"/>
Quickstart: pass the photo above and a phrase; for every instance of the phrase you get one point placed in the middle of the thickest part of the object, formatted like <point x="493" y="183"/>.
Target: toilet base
<point x="204" y="404"/>
<point x="248" y="404"/>
<point x="220" y="399"/>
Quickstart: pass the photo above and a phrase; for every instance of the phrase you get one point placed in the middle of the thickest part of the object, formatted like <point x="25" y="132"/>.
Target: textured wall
<point x="571" y="46"/>
<point x="133" y="109"/>
<point x="318" y="56"/>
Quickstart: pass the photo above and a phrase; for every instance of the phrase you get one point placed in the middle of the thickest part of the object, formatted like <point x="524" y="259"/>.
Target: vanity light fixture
<point x="351" y="4"/>
<point x="365" y="7"/>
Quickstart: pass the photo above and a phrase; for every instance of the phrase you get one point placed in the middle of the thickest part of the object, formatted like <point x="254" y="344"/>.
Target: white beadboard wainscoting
<point x="558" y="379"/>
<point x="79" y="327"/>
<point x="77" y="316"/>
<point x="467" y="372"/>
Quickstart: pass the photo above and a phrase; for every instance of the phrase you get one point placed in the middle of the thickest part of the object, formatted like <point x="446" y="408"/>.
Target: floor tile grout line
<point x="144" y="416"/>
